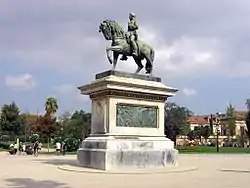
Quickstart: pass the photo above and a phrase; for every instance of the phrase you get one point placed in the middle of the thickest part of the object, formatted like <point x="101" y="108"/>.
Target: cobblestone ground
<point x="42" y="172"/>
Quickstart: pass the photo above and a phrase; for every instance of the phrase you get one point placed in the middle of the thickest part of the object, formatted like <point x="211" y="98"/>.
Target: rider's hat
<point x="132" y="14"/>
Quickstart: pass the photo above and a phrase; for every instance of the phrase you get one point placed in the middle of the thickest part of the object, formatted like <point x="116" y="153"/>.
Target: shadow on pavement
<point x="58" y="162"/>
<point x="31" y="183"/>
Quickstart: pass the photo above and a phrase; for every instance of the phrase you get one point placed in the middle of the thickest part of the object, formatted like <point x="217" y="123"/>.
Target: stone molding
<point x="128" y="94"/>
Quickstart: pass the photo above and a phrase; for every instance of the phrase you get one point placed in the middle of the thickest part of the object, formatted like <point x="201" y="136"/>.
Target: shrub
<point x="4" y="138"/>
<point x="57" y="139"/>
<point x="33" y="138"/>
<point x="4" y="145"/>
<point x="72" y="144"/>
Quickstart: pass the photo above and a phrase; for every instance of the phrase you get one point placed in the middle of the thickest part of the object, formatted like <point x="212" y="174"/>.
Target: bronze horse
<point x="111" y="30"/>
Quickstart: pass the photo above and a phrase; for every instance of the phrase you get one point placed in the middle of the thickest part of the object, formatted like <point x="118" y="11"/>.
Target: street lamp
<point x="217" y="130"/>
<point x="217" y="137"/>
<point x="217" y="124"/>
<point x="62" y="133"/>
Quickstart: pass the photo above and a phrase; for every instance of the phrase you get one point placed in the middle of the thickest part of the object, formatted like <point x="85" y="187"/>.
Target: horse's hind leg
<point x="138" y="70"/>
<point x="139" y="64"/>
<point x="148" y="67"/>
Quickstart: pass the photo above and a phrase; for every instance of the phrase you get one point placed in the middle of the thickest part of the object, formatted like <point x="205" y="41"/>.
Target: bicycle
<point x="36" y="153"/>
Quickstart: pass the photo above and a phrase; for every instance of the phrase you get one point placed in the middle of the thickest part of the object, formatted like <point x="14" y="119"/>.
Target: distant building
<point x="197" y="121"/>
<point x="204" y="120"/>
<point x="240" y="124"/>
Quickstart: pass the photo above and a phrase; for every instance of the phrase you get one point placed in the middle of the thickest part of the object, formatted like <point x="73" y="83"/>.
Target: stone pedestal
<point x="127" y="127"/>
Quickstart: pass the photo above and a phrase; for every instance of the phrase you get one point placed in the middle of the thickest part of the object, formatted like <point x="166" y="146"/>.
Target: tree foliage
<point x="199" y="132"/>
<point x="78" y="126"/>
<point x="47" y="126"/>
<point x="206" y="132"/>
<point x="51" y="106"/>
<point x="231" y="115"/>
<point x="248" y="118"/>
<point x="11" y="121"/>
<point x="32" y="123"/>
<point x="176" y="120"/>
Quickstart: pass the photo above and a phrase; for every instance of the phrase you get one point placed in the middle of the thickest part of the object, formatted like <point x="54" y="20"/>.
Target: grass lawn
<point x="211" y="150"/>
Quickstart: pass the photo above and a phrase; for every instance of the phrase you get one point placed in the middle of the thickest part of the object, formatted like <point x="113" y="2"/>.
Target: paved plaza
<point x="43" y="172"/>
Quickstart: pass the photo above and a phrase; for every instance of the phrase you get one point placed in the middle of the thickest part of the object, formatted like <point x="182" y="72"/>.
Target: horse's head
<point x="110" y="30"/>
<point x="105" y="30"/>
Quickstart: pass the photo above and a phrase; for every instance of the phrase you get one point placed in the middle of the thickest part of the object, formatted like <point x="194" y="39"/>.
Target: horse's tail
<point x="152" y="55"/>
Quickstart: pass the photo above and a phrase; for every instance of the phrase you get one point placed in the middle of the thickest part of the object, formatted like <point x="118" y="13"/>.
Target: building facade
<point x="222" y="123"/>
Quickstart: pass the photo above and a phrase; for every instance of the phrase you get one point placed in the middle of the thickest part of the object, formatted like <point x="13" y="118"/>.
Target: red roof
<point x="198" y="119"/>
<point x="203" y="119"/>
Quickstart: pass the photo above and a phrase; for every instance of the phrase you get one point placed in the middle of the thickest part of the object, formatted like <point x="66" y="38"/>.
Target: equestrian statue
<point x="127" y="44"/>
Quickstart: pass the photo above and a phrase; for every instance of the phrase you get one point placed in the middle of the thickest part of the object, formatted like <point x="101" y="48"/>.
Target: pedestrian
<point x="35" y="148"/>
<point x="20" y="148"/>
<point x="63" y="148"/>
<point x="40" y="146"/>
<point x="58" y="148"/>
<point x="23" y="148"/>
<point x="15" y="148"/>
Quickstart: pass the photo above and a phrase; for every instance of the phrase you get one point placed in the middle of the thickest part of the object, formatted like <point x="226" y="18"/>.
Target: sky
<point x="48" y="48"/>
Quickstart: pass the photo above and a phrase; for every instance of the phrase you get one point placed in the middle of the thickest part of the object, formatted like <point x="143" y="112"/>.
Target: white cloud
<point x="184" y="57"/>
<point x="63" y="36"/>
<point x="21" y="82"/>
<point x="189" y="91"/>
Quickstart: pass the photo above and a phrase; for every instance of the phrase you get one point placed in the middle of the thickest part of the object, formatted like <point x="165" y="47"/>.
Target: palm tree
<point x="51" y="106"/>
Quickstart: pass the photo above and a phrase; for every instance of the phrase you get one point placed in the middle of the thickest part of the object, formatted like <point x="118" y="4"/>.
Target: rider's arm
<point x="135" y="25"/>
<point x="132" y="25"/>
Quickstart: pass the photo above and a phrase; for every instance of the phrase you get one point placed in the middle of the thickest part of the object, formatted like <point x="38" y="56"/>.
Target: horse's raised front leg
<point x="116" y="52"/>
<point x="108" y="50"/>
<point x="115" y="58"/>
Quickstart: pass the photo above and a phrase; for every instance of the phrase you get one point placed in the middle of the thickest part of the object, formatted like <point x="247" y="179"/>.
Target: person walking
<point x="35" y="148"/>
<point x="15" y="148"/>
<point x="58" y="148"/>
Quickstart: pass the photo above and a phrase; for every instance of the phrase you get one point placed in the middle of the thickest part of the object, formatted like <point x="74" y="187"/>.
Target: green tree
<point x="51" y="106"/>
<point x="248" y="118"/>
<point x="195" y="134"/>
<point x="64" y="120"/>
<point x="199" y="132"/>
<point x="176" y="120"/>
<point x="48" y="125"/>
<point x="11" y="122"/>
<point x="206" y="132"/>
<point x="231" y="116"/>
<point x="79" y="125"/>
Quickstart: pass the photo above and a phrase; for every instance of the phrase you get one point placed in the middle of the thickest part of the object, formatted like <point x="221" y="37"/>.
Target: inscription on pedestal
<point x="128" y="115"/>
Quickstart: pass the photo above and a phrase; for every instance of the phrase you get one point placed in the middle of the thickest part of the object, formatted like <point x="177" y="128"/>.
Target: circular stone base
<point x="79" y="169"/>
